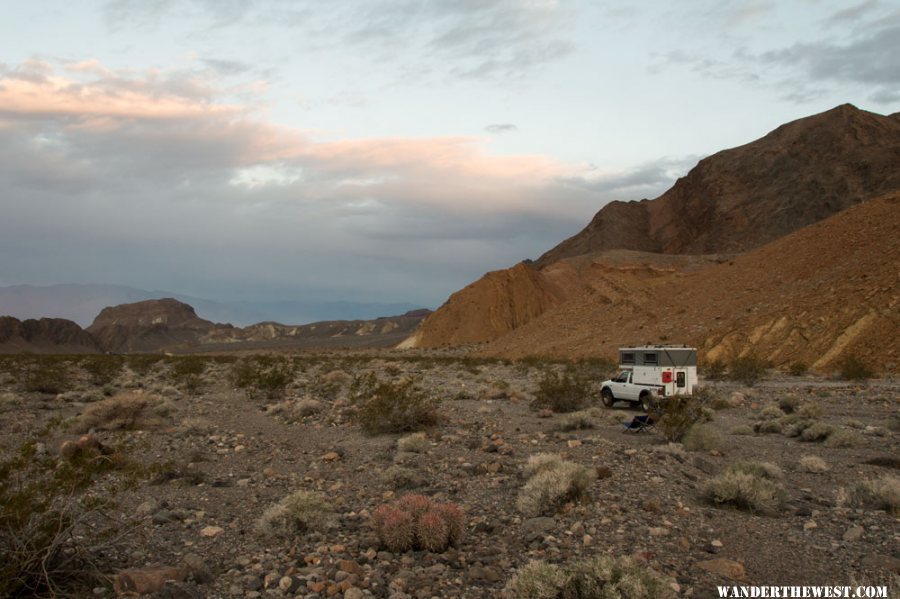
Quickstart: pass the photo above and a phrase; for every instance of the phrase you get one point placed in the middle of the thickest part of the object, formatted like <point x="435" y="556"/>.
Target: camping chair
<point x="642" y="423"/>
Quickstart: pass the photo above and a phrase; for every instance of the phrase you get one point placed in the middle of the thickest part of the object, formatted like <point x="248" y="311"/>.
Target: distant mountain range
<point x="81" y="303"/>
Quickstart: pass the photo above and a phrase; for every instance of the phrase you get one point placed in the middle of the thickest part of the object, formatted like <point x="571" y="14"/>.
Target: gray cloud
<point x="500" y="128"/>
<point x="484" y="39"/>
<point x="647" y="180"/>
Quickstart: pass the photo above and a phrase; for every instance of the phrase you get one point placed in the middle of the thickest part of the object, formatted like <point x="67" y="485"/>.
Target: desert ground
<point x="147" y="468"/>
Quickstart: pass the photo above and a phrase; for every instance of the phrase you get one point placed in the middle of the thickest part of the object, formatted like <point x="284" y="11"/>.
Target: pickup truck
<point x="623" y="388"/>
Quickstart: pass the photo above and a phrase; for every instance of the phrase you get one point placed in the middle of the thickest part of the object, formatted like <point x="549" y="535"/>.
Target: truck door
<point x="680" y="382"/>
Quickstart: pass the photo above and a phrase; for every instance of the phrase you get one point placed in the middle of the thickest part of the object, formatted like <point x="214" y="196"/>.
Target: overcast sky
<point x="378" y="150"/>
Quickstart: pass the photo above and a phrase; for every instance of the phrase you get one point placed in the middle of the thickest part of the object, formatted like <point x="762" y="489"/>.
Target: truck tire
<point x="648" y="404"/>
<point x="607" y="398"/>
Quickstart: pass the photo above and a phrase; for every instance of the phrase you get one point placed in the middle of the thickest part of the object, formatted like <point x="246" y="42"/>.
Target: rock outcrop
<point x="44" y="335"/>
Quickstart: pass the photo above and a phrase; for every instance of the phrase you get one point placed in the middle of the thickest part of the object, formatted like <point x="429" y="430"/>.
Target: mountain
<point x="636" y="253"/>
<point x="741" y="198"/>
<point x="45" y="335"/>
<point x="81" y="303"/>
<point x="822" y="293"/>
<point x="170" y="325"/>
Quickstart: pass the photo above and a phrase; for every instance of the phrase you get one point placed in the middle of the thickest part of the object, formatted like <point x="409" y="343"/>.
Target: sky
<point x="378" y="150"/>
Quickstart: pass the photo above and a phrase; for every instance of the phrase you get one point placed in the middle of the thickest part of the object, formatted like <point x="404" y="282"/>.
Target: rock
<point x="540" y="524"/>
<point x="572" y="443"/>
<point x="658" y="531"/>
<point x="723" y="567"/>
<point x="211" y="531"/>
<point x="716" y="543"/>
<point x="545" y="413"/>
<point x="876" y="561"/>
<point x="331" y="456"/>
<point x="353" y="593"/>
<point x="737" y="399"/>
<point x="854" y="533"/>
<point x="810" y="525"/>
<point x="147" y="508"/>
<point x="142" y="581"/>
<point x="197" y="568"/>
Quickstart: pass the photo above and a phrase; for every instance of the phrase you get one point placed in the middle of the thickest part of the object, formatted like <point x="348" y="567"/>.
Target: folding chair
<point x="639" y="424"/>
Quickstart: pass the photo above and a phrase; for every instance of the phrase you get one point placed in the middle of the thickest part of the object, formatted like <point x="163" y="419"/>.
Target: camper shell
<point x="649" y="372"/>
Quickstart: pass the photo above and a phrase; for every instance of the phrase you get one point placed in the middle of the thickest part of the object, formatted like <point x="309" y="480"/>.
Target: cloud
<point x="647" y="180"/>
<point x="157" y="179"/>
<point x="483" y="39"/>
<point x="501" y="128"/>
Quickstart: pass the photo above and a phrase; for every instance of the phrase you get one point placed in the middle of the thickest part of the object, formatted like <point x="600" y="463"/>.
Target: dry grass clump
<point x="399" y="477"/>
<point x="602" y="576"/>
<point x="703" y="437"/>
<point x="296" y="410"/>
<point x="751" y="486"/>
<point x="416" y="522"/>
<point x="581" y="420"/>
<point x="843" y="438"/>
<point x="812" y="463"/>
<point x="299" y="512"/>
<point x="817" y="432"/>
<point x="414" y="443"/>
<point x="741" y="429"/>
<point x="771" y="412"/>
<point x="125" y="411"/>
<point x="880" y="494"/>
<point x="553" y="483"/>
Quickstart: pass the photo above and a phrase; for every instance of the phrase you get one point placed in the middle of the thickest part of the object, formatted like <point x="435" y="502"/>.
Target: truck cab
<point x="649" y="373"/>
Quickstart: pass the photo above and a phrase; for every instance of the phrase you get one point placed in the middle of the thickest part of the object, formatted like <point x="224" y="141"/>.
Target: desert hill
<point x="169" y="325"/>
<point x="634" y="255"/>
<point x="824" y="292"/>
<point x="44" y="335"/>
<point x="747" y="196"/>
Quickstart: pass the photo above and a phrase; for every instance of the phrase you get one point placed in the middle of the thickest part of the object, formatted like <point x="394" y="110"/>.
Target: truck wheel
<point x="607" y="397"/>
<point x="648" y="404"/>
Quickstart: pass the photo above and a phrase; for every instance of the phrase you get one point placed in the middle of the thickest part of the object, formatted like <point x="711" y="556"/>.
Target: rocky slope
<point x="747" y="196"/>
<point x="732" y="202"/>
<point x="45" y="335"/>
<point x="822" y="293"/>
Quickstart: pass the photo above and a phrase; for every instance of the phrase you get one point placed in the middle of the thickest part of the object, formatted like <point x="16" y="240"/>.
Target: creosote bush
<point x="562" y="392"/>
<point x="395" y="407"/>
<point x="299" y="512"/>
<point x="48" y="374"/>
<point x="416" y="522"/>
<point x="702" y="437"/>
<point x="53" y="533"/>
<point x="553" y="483"/>
<point x="600" y="577"/>
<point x="817" y="432"/>
<point x="751" y="486"/>
<point x="263" y="376"/>
<point x="749" y="369"/>
<point x="681" y="412"/>
<point x="852" y="368"/>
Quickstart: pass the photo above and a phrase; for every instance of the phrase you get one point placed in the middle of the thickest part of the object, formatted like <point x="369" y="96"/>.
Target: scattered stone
<point x="212" y="531"/>
<point x="143" y="581"/>
<point x="854" y="533"/>
<point x="723" y="567"/>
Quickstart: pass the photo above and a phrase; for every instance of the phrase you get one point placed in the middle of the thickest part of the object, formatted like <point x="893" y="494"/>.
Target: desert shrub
<point x="142" y="363"/>
<point x="764" y="427"/>
<point x="793" y="425"/>
<point x="844" y="438"/>
<point x="750" y="486"/>
<point x="581" y="420"/>
<point x="812" y="463"/>
<point x="602" y="576"/>
<point x="187" y="371"/>
<point x="263" y="376"/>
<point x="681" y="412"/>
<point x="102" y="369"/>
<point x="396" y="407"/>
<point x="715" y="370"/>
<point x="749" y="369"/>
<point x="741" y="429"/>
<point x="562" y="392"/>
<point x="798" y="368"/>
<point x="809" y="409"/>
<point x="416" y="522"/>
<point x="554" y="483"/>
<point x="398" y="477"/>
<point x="125" y="411"/>
<point x="48" y="374"/>
<point x="298" y="513"/>
<point x="771" y="412"/>
<point x="817" y="432"/>
<point x="414" y="443"/>
<point x="852" y="368"/>
<point x="542" y="461"/>
<point x="295" y="410"/>
<point x="789" y="404"/>
<point x="54" y="533"/>
<point x="702" y="437"/>
<point x="881" y="494"/>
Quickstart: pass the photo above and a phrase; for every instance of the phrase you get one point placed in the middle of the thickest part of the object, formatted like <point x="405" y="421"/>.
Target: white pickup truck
<point x="651" y="372"/>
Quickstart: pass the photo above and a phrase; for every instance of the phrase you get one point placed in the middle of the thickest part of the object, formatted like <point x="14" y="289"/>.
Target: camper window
<point x="628" y="358"/>
<point x="650" y="358"/>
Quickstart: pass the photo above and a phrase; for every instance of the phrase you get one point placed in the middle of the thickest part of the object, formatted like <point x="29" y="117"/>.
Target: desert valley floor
<point x="209" y="453"/>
